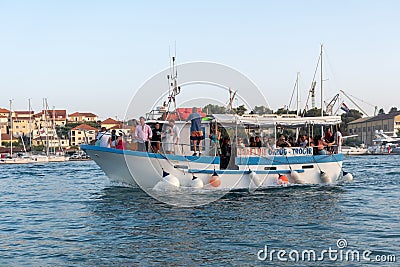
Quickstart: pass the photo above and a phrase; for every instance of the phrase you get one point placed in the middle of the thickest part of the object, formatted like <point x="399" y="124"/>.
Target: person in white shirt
<point x="338" y="141"/>
<point x="104" y="138"/>
<point x="176" y="137"/>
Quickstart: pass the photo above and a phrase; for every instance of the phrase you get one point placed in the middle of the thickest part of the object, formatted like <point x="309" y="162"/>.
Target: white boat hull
<point x="353" y="151"/>
<point x="33" y="159"/>
<point x="145" y="170"/>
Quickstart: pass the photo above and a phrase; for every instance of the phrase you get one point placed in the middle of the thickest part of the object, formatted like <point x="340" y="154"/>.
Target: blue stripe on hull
<point x="282" y="160"/>
<point x="240" y="161"/>
<point x="243" y="171"/>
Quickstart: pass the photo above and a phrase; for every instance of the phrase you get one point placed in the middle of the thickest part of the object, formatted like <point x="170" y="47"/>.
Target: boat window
<point x="269" y="168"/>
<point x="307" y="166"/>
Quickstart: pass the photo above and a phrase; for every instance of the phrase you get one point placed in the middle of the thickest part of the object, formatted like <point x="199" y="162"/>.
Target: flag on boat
<point x="344" y="107"/>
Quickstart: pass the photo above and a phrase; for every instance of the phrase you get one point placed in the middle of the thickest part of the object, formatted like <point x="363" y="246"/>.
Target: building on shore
<point x="82" y="134"/>
<point x="4" y="112"/>
<point x="365" y="127"/>
<point x="82" y="117"/>
<point x="22" y="123"/>
<point x="110" y="123"/>
<point x="54" y="142"/>
<point x="58" y="117"/>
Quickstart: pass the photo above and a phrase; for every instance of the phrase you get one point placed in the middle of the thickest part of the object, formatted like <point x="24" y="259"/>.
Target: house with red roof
<point x="82" y="134"/>
<point x="109" y="123"/>
<point x="82" y="117"/>
<point x="59" y="116"/>
<point x="4" y="112"/>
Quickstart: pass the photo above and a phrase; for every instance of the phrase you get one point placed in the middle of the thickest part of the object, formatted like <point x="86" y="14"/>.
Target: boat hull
<point x="145" y="170"/>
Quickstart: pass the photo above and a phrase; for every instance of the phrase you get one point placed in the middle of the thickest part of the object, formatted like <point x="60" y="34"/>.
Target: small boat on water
<point x="384" y="144"/>
<point x="354" y="151"/>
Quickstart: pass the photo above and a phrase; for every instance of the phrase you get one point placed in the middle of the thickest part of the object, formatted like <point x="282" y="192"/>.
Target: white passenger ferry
<point x="243" y="167"/>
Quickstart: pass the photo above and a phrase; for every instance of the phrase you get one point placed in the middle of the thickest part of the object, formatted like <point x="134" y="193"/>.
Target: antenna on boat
<point x="173" y="88"/>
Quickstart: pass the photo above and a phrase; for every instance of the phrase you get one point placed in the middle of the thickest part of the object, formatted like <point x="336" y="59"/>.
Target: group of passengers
<point x="111" y="140"/>
<point x="322" y="145"/>
<point x="159" y="139"/>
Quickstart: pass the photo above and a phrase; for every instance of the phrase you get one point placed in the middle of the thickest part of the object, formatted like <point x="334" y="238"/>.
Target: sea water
<point x="68" y="214"/>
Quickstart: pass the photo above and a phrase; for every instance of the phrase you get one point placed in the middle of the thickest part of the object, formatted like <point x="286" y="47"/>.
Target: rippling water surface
<point x="68" y="214"/>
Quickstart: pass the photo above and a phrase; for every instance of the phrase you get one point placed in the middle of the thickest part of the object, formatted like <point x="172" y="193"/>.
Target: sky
<point x="92" y="56"/>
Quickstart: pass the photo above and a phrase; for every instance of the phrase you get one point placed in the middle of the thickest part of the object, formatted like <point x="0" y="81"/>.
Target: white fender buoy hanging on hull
<point x="172" y="180"/>
<point x="167" y="183"/>
<point x="255" y="179"/>
<point x="325" y="179"/>
<point x="296" y="177"/>
<point x="196" y="183"/>
<point x="348" y="177"/>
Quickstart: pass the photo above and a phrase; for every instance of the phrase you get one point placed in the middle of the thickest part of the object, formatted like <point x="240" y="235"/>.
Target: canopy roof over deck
<point x="277" y="120"/>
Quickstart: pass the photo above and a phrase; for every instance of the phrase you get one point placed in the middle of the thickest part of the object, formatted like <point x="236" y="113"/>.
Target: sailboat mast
<point x="297" y="94"/>
<point x="322" y="92"/>
<point x="30" y="125"/>
<point x="322" y="88"/>
<point x="46" y="125"/>
<point x="11" y="129"/>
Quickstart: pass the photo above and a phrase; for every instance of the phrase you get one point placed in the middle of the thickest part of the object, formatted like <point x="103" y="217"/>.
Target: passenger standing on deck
<point x="175" y="131"/>
<point x="143" y="135"/>
<point x="168" y="144"/>
<point x="330" y="139"/>
<point x="120" y="143"/>
<point x="104" y="138"/>
<point x="113" y="138"/>
<point x="156" y="139"/>
<point x="196" y="134"/>
<point x="338" y="141"/>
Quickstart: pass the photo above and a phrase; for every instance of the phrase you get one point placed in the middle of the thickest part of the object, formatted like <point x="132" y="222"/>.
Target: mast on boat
<point x="11" y="129"/>
<point x="30" y="125"/>
<point x="322" y="90"/>
<point x="297" y="95"/>
<point x="46" y="125"/>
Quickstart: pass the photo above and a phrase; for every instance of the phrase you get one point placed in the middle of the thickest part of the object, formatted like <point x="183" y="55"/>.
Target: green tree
<point x="38" y="148"/>
<point x="214" y="109"/>
<point x="240" y="110"/>
<point x="348" y="117"/>
<point x="64" y="131"/>
<point x="260" y="110"/>
<point x="381" y="111"/>
<point x="315" y="112"/>
<point x="393" y="110"/>
<point x="284" y="111"/>
<point x="15" y="144"/>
